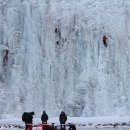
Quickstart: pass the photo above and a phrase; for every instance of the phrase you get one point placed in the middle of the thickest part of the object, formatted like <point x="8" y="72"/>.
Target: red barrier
<point x="43" y="127"/>
<point x="39" y="127"/>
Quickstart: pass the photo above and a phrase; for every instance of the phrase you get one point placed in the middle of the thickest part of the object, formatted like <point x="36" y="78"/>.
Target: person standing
<point x="30" y="120"/>
<point x="44" y="118"/>
<point x="27" y="117"/>
<point x="62" y="119"/>
<point x="24" y="119"/>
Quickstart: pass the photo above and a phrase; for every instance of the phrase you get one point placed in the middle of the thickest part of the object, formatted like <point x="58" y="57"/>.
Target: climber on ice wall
<point x="104" y="38"/>
<point x="5" y="56"/>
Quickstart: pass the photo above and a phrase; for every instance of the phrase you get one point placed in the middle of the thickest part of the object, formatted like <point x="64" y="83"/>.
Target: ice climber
<point x="58" y="36"/>
<point x="5" y="56"/>
<point x="104" y="38"/>
<point x="44" y="117"/>
<point x="27" y="117"/>
<point x="56" y="30"/>
<point x="62" y="119"/>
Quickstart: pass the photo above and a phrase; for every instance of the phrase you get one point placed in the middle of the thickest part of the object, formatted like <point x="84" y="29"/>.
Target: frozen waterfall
<point x="56" y="59"/>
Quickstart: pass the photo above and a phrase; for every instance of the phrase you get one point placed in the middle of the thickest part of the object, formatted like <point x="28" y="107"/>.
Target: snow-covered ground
<point x="80" y="122"/>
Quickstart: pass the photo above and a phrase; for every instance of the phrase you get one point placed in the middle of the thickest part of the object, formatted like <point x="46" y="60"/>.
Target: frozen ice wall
<point x="52" y="57"/>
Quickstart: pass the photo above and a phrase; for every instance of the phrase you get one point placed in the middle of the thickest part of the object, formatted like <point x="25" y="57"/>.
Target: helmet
<point x="32" y="113"/>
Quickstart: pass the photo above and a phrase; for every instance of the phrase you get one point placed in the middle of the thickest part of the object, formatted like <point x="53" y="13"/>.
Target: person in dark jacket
<point x="30" y="120"/>
<point x="104" y="38"/>
<point x="27" y="117"/>
<point x="62" y="119"/>
<point x="44" y="117"/>
<point x="24" y="119"/>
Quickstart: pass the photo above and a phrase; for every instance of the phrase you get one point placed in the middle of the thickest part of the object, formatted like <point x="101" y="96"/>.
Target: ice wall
<point x="56" y="59"/>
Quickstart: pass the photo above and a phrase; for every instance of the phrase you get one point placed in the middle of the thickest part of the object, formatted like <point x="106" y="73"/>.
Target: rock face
<point x="52" y="57"/>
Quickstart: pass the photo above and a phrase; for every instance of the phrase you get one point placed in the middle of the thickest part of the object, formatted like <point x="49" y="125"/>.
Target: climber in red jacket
<point x="104" y="38"/>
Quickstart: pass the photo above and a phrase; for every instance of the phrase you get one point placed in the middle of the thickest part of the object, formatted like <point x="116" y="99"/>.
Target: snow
<point x="80" y="76"/>
<point x="82" y="123"/>
<point x="79" y="121"/>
